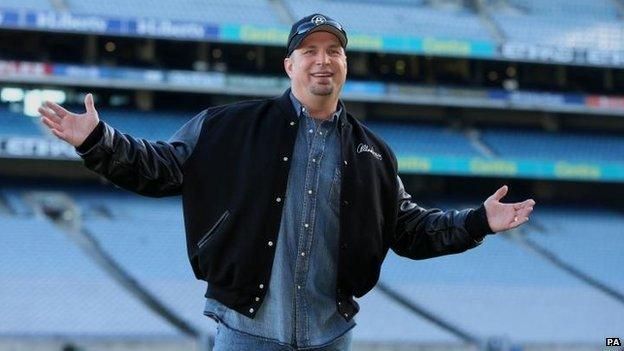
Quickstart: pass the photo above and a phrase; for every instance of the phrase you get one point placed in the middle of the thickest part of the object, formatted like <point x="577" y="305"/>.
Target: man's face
<point x="318" y="66"/>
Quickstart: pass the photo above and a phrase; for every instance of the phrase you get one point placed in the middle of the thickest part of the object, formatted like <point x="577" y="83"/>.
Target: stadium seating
<point x="27" y="4"/>
<point x="533" y="144"/>
<point x="499" y="288"/>
<point x="413" y="139"/>
<point x="397" y="19"/>
<point x="573" y="24"/>
<point x="17" y="124"/>
<point x="257" y="12"/>
<point x="406" y="139"/>
<point x="54" y="288"/>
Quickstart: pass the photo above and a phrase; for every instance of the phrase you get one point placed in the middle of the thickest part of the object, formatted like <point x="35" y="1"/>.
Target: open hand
<point x="502" y="216"/>
<point x="72" y="127"/>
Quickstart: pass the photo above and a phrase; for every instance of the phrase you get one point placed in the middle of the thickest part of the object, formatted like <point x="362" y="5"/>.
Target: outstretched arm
<point x="424" y="233"/>
<point x="147" y="168"/>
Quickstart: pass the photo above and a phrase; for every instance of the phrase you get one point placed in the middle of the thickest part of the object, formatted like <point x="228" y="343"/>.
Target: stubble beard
<point x="321" y="90"/>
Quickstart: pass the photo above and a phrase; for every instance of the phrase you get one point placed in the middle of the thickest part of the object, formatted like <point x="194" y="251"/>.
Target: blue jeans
<point x="232" y="340"/>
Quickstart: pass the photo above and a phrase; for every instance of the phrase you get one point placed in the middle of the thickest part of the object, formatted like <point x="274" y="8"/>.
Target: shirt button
<point x="339" y="303"/>
<point x="313" y="160"/>
<point x="303" y="254"/>
<point x="251" y="310"/>
<point x="310" y="192"/>
<point x="306" y="225"/>
<point x="298" y="287"/>
<point x="285" y="158"/>
<point x="257" y="299"/>
<point x="320" y="133"/>
<point x="345" y="162"/>
<point x="279" y="199"/>
<point x="270" y="243"/>
<point x="261" y="286"/>
<point x="311" y="131"/>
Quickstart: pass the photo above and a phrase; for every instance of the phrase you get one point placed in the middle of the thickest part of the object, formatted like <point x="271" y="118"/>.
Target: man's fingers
<point x="51" y="124"/>
<point x="61" y="112"/>
<point x="524" y="204"/>
<point x="59" y="134"/>
<point x="49" y="114"/>
<point x="518" y="221"/>
<point x="525" y="212"/>
<point x="89" y="103"/>
<point x="500" y="193"/>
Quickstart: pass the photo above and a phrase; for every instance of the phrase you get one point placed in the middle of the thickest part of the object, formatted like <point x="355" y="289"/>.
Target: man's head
<point x="315" y="58"/>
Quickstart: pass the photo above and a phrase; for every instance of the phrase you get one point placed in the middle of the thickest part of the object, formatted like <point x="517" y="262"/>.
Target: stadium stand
<point x="519" y="143"/>
<point x="405" y="138"/>
<point x="573" y="24"/>
<point x="67" y="293"/>
<point x="527" y="298"/>
<point x="17" y="124"/>
<point x="27" y="4"/>
<point x="503" y="289"/>
<point x="413" y="139"/>
<point x="216" y="11"/>
<point x="399" y="19"/>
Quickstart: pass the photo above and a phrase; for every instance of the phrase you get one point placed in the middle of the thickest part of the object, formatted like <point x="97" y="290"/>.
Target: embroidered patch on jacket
<point x="365" y="148"/>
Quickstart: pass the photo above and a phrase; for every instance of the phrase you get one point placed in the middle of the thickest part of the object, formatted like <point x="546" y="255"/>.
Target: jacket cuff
<point x="477" y="223"/>
<point x="92" y="139"/>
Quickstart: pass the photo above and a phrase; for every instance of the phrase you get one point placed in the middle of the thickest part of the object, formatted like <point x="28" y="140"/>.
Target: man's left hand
<point x="502" y="216"/>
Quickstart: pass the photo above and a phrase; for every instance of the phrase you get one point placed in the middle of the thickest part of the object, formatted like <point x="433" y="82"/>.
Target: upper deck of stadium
<point x="578" y="24"/>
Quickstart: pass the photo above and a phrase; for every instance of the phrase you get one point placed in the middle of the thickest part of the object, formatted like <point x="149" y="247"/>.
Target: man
<point x="290" y="203"/>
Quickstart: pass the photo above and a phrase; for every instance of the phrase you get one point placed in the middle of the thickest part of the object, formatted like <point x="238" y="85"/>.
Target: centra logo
<point x="613" y="342"/>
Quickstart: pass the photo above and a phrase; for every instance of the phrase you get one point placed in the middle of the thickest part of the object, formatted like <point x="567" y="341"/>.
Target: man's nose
<point x="322" y="58"/>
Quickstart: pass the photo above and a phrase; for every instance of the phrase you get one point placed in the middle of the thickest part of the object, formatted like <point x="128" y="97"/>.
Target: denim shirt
<point x="300" y="306"/>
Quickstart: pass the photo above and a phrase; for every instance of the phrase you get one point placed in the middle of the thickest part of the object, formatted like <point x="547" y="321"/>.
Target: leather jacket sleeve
<point x="138" y="165"/>
<point x="424" y="233"/>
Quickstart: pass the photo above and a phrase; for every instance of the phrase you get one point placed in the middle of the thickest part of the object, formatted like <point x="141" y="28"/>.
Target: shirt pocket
<point x="334" y="190"/>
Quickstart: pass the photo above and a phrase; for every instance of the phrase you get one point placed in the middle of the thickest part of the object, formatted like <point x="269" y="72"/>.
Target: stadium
<point x="470" y="94"/>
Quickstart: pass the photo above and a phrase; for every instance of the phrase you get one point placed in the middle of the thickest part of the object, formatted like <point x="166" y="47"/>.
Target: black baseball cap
<point x="314" y="23"/>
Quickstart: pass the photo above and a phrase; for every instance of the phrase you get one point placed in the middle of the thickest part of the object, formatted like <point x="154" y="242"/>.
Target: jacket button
<point x="345" y="202"/>
<point x="251" y="310"/>
<point x="257" y="299"/>
<point x="285" y="159"/>
<point x="345" y="163"/>
<point x="343" y="246"/>
<point x="270" y="243"/>
<point x="261" y="286"/>
<point x="279" y="199"/>
<point x="292" y="123"/>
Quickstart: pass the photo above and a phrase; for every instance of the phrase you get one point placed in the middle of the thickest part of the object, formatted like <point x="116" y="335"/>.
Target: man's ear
<point x="288" y="66"/>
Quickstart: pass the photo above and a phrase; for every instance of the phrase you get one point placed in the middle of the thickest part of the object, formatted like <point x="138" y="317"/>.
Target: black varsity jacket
<point x="230" y="164"/>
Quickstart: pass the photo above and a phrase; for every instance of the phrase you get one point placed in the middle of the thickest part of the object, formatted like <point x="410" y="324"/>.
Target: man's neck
<point x="319" y="107"/>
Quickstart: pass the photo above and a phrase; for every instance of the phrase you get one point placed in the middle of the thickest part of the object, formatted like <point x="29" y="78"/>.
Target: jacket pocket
<point x="214" y="229"/>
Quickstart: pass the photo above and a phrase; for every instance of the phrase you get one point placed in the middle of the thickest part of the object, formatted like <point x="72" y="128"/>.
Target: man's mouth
<point x="322" y="74"/>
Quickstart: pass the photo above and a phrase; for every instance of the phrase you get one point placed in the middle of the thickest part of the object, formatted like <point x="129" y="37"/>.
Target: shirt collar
<point x="299" y="108"/>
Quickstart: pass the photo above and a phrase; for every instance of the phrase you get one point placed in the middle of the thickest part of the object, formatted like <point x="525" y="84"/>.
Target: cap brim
<point x="322" y="28"/>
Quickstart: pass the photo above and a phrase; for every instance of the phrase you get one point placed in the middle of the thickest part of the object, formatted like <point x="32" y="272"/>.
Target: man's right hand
<point x="72" y="127"/>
